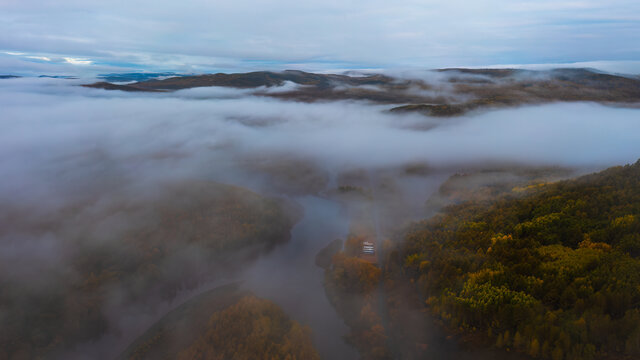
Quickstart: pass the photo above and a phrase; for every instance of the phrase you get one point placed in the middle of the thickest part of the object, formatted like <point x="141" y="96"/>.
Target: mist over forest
<point x="147" y="224"/>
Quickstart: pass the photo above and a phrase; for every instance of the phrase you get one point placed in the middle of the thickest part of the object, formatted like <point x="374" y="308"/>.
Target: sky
<point x="196" y="36"/>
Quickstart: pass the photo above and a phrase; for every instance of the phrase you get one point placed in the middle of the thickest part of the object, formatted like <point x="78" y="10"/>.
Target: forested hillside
<point x="154" y="248"/>
<point x="252" y="329"/>
<point x="350" y="283"/>
<point x="555" y="274"/>
<point x="224" y="323"/>
<point x="448" y="92"/>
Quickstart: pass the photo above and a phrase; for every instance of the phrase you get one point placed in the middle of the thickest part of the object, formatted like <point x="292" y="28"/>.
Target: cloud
<point x="43" y="58"/>
<point x="77" y="61"/>
<point x="48" y="122"/>
<point x="323" y="34"/>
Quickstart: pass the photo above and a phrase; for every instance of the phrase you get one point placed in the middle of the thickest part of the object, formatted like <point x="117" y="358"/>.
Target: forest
<point x="166" y="246"/>
<point x="351" y="284"/>
<point x="552" y="271"/>
<point x="252" y="328"/>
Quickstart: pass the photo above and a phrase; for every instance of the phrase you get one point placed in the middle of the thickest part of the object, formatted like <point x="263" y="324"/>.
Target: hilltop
<point x="553" y="273"/>
<point x="444" y="92"/>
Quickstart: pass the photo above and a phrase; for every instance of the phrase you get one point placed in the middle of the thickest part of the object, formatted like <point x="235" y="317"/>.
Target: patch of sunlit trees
<point x="554" y="274"/>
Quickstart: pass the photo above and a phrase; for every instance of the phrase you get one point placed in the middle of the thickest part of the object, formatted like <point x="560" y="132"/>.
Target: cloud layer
<point x="199" y="35"/>
<point x="57" y="133"/>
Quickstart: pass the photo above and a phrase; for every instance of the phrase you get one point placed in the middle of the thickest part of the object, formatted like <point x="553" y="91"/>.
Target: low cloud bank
<point x="63" y="144"/>
<point x="56" y="135"/>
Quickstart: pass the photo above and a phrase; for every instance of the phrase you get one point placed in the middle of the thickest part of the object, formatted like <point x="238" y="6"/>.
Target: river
<point x="289" y="277"/>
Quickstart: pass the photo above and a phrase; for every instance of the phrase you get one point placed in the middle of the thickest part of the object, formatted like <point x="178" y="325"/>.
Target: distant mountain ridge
<point x="136" y="76"/>
<point x="258" y="79"/>
<point x="455" y="92"/>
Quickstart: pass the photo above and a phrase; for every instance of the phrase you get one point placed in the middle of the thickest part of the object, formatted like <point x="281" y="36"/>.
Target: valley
<point x="347" y="230"/>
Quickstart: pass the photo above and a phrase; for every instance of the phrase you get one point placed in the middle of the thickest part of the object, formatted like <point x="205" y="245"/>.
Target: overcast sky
<point x="58" y="36"/>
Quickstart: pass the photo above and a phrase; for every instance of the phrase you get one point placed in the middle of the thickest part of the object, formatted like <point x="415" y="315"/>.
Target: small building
<point x="368" y="252"/>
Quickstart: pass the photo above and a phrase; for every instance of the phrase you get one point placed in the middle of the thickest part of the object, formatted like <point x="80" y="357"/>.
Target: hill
<point x="123" y="253"/>
<point x="555" y="273"/>
<point x="445" y="92"/>
<point x="224" y="323"/>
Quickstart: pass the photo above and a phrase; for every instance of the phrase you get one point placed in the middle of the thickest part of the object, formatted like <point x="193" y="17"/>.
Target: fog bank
<point x="62" y="144"/>
<point x="59" y="135"/>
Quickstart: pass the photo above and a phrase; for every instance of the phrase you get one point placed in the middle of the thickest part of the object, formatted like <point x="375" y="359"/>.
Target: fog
<point x="49" y="123"/>
<point x="57" y="136"/>
<point x="62" y="144"/>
